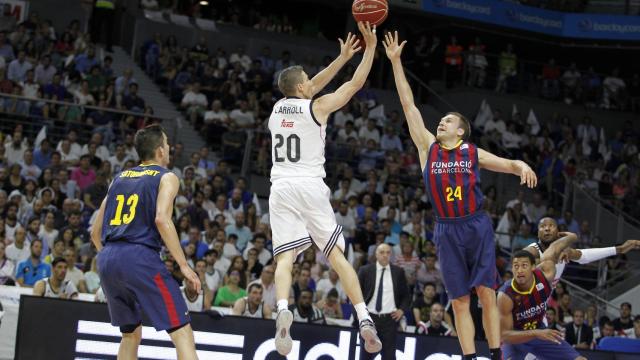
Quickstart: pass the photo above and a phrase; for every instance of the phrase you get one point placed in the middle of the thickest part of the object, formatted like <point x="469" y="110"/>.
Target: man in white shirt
<point x="242" y="117"/>
<point x="212" y="276"/>
<point x="220" y="209"/>
<point x="222" y="264"/>
<point x="20" y="249"/>
<point x="369" y="132"/>
<point x="325" y="285"/>
<point x="30" y="171"/>
<point x="73" y="273"/>
<point x="216" y="115"/>
<point x="240" y="56"/>
<point x="344" y="219"/>
<point x="194" y="102"/>
<point x="613" y="87"/>
<point x="348" y="132"/>
<point x="268" y="286"/>
<point x="72" y="138"/>
<point x="119" y="159"/>
<point x="387" y="296"/>
<point x="341" y="117"/>
<point x="101" y="151"/>
<point x="259" y="241"/>
<point x="14" y="149"/>
<point x="390" y="140"/>
<point x="496" y="123"/>
<point x="510" y="138"/>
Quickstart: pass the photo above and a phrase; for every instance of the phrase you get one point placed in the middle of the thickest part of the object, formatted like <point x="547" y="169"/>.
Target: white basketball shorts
<point x="300" y="214"/>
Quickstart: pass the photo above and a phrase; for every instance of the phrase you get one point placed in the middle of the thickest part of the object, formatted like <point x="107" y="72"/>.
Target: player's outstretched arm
<point x="421" y="137"/>
<point x="551" y="256"/>
<point x="586" y="256"/>
<point x="511" y="336"/>
<point x="329" y="103"/>
<point x="519" y="168"/>
<point x="167" y="191"/>
<point x="96" y="228"/>
<point x="348" y="48"/>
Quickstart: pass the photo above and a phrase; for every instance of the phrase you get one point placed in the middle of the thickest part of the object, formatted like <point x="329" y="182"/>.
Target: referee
<point x="386" y="294"/>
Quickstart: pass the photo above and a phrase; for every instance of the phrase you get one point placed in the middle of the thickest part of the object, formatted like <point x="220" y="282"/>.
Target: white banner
<point x="19" y="9"/>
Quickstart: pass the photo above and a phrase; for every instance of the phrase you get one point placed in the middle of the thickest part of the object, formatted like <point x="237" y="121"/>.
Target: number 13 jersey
<point x="130" y="211"/>
<point x="452" y="179"/>
<point x="297" y="140"/>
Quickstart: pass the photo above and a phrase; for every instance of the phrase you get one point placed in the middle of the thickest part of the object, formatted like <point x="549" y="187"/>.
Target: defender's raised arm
<point x="421" y="137"/>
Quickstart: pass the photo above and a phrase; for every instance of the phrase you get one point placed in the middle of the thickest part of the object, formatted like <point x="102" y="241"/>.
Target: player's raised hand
<point x="369" y="34"/>
<point x="392" y="47"/>
<point x="528" y="177"/>
<point x="193" y="281"/>
<point x="554" y="336"/>
<point x="628" y="246"/>
<point x="350" y="46"/>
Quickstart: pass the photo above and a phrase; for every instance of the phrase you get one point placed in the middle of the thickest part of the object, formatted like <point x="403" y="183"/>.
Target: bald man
<point x="387" y="296"/>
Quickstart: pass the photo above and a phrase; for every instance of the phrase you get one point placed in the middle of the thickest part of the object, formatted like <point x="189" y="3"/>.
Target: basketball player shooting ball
<point x="299" y="207"/>
<point x="463" y="233"/>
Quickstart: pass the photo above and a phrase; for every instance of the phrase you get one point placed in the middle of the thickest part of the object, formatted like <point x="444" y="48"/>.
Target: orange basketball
<point x="373" y="11"/>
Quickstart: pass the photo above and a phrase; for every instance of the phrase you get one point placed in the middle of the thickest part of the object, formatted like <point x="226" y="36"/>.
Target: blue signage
<point x="587" y="26"/>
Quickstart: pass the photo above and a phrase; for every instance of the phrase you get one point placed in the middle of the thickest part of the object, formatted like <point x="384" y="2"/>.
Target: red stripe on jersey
<point x="446" y="183"/>
<point x="460" y="183"/>
<point x="435" y="194"/>
<point x="472" y="178"/>
<point x="168" y="301"/>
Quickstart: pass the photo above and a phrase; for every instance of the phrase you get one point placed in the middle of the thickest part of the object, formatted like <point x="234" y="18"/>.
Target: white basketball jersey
<point x="66" y="288"/>
<point x="195" y="305"/>
<point x="297" y="139"/>
<point x="559" y="266"/>
<point x="247" y="313"/>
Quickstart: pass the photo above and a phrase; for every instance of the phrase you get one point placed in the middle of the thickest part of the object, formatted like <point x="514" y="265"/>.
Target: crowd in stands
<point x="38" y="63"/>
<point x="51" y="187"/>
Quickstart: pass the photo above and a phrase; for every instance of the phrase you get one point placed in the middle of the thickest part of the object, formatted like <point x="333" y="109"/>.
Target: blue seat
<point x="620" y="344"/>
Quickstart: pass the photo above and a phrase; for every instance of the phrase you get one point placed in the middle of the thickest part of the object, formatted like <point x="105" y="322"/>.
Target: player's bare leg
<point x="284" y="319"/>
<point x="129" y="344"/>
<point x="184" y="343"/>
<point x="351" y="286"/>
<point x="464" y="324"/>
<point x="490" y="315"/>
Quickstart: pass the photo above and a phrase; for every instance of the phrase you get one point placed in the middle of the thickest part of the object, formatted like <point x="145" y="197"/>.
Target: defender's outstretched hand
<point x="391" y="46"/>
<point x="528" y="177"/>
<point x="349" y="47"/>
<point x="628" y="246"/>
<point x="368" y="34"/>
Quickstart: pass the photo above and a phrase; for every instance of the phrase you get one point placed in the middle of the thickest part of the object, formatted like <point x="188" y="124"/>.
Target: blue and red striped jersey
<point x="529" y="307"/>
<point x="452" y="178"/>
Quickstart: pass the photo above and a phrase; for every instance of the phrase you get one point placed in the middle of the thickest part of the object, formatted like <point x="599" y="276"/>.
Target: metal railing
<point x="30" y="113"/>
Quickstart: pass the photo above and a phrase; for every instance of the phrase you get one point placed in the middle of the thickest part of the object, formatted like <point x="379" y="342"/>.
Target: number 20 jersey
<point x="297" y="140"/>
<point x="452" y="180"/>
<point x="130" y="210"/>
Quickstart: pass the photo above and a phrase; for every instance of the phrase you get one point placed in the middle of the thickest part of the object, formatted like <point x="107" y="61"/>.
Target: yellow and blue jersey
<point x="130" y="210"/>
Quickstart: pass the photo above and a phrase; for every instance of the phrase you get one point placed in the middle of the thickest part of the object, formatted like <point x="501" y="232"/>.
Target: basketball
<point x="373" y="11"/>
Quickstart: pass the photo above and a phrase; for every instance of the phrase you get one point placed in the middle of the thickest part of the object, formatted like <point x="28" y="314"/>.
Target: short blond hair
<point x="289" y="78"/>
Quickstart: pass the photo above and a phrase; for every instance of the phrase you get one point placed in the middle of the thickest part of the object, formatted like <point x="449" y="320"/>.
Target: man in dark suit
<point x="387" y="296"/>
<point x="578" y="334"/>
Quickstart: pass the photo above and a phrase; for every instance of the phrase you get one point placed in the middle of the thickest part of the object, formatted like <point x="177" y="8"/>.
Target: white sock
<point x="283" y="305"/>
<point x="361" y="310"/>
